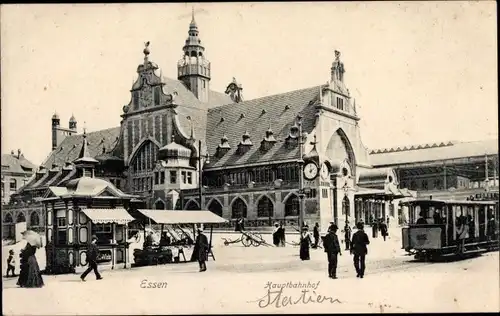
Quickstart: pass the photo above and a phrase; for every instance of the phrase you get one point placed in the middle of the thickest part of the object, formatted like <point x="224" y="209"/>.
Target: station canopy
<point x="108" y="215"/>
<point x="170" y="217"/>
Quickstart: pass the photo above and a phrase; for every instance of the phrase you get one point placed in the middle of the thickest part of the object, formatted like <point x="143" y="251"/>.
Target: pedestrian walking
<point x="203" y="248"/>
<point x="383" y="229"/>
<point x="30" y="275"/>
<point x="11" y="264"/>
<point x="316" y="235"/>
<point x="282" y="235"/>
<point x="332" y="249"/>
<point x="359" y="249"/>
<point x="375" y="229"/>
<point x="347" y="235"/>
<point x="305" y="242"/>
<point x="92" y="254"/>
<point x="276" y="235"/>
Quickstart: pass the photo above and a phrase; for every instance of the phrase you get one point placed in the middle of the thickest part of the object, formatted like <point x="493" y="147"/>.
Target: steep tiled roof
<point x="190" y="108"/>
<point x="434" y="153"/>
<point x="71" y="146"/>
<point x="255" y="116"/>
<point x="217" y="99"/>
<point x="11" y="163"/>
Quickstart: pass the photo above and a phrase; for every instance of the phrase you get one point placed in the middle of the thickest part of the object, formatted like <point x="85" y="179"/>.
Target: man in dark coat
<point x="383" y="229"/>
<point x="347" y="235"/>
<point x="316" y="235"/>
<point x="203" y="248"/>
<point x="359" y="249"/>
<point x="332" y="249"/>
<point x="92" y="254"/>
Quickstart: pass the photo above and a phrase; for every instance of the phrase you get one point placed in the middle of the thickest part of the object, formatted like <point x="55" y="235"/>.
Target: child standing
<point x="11" y="263"/>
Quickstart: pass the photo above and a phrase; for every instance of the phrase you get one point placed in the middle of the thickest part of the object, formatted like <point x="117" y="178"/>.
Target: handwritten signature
<point x="276" y="298"/>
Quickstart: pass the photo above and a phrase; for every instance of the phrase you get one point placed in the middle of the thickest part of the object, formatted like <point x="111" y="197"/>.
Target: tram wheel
<point x="246" y="241"/>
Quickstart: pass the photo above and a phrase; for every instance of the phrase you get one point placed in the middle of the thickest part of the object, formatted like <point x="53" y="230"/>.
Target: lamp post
<point x="200" y="171"/>
<point x="345" y="187"/>
<point x="301" y="171"/>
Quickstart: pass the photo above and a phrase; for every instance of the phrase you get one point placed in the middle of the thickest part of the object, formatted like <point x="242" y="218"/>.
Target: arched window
<point x="215" y="207"/>
<point x="159" y="205"/>
<point x="265" y="207"/>
<point x="142" y="165"/>
<point x="192" y="206"/>
<point x="292" y="206"/>
<point x="34" y="219"/>
<point x="239" y="209"/>
<point x="20" y="218"/>
<point x="7" y="218"/>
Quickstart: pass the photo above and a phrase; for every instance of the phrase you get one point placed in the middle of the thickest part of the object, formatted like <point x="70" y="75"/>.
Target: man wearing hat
<point x="359" y="249"/>
<point x="92" y="253"/>
<point x="332" y="249"/>
<point x="203" y="248"/>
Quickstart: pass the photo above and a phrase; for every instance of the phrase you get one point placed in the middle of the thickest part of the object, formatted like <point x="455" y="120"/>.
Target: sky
<point x="420" y="71"/>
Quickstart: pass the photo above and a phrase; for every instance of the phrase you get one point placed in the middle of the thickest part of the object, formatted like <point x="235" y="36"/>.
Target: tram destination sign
<point x="485" y="196"/>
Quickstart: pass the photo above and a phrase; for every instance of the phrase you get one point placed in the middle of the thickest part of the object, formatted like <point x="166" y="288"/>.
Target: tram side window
<point x="422" y="214"/>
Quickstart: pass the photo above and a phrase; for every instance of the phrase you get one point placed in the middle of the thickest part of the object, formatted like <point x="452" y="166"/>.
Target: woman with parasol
<point x="30" y="275"/>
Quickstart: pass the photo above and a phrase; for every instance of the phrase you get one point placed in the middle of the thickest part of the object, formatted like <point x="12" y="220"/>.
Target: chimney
<point x="18" y="153"/>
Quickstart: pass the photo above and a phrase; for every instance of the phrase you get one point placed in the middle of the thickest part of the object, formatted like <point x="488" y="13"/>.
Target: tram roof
<point x="443" y="202"/>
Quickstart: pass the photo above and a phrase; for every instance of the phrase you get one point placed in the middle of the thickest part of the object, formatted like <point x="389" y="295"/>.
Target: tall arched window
<point x="215" y="207"/>
<point x="34" y="219"/>
<point x="142" y="165"/>
<point x="7" y="218"/>
<point x="239" y="209"/>
<point x="192" y="206"/>
<point x="292" y="206"/>
<point x="265" y="207"/>
<point x="159" y="205"/>
<point x="20" y="218"/>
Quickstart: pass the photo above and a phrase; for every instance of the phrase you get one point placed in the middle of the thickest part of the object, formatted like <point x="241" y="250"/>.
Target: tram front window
<point x="422" y="215"/>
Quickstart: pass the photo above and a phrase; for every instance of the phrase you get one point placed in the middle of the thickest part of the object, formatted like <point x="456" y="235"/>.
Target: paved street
<point x="237" y="280"/>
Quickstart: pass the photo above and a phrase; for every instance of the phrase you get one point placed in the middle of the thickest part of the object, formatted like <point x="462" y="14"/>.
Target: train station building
<point x="181" y="145"/>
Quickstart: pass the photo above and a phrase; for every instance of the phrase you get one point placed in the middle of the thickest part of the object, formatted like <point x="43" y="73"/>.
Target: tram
<point x="448" y="228"/>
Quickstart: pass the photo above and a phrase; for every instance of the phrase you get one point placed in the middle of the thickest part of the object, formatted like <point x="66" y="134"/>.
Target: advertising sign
<point x="425" y="237"/>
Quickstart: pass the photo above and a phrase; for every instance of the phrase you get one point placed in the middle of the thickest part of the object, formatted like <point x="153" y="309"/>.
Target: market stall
<point x="177" y="235"/>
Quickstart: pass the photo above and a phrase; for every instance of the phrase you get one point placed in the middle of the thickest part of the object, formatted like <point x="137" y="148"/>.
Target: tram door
<point x="482" y="223"/>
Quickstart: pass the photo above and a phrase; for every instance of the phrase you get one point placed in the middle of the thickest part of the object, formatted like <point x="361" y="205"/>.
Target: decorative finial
<point x="173" y="138"/>
<point x="337" y="55"/>
<point x="146" y="50"/>
<point x="85" y="129"/>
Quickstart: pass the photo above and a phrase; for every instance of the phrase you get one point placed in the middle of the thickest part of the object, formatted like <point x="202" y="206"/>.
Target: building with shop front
<point x="16" y="172"/>
<point x="181" y="145"/>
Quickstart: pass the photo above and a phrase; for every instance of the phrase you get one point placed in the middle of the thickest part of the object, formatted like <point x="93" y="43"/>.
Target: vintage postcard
<point x="234" y="158"/>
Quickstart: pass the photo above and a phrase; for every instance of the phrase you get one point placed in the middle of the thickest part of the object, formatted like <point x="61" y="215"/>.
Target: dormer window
<point x="268" y="140"/>
<point x="245" y="144"/>
<point x="293" y="136"/>
<point x="223" y="147"/>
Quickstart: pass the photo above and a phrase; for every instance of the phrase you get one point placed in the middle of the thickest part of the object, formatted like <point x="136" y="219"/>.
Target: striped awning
<point x="108" y="215"/>
<point x="182" y="217"/>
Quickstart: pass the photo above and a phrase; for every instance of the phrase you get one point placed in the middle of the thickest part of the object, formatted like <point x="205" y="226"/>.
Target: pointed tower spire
<point x="193" y="69"/>
<point x="85" y="163"/>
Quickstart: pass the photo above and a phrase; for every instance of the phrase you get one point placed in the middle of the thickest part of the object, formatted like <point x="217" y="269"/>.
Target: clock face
<point x="310" y="171"/>
<point x="324" y="172"/>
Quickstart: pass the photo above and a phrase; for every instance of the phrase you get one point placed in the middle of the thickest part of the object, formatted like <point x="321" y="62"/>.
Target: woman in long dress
<point x="305" y="242"/>
<point x="276" y="235"/>
<point x="30" y="275"/>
